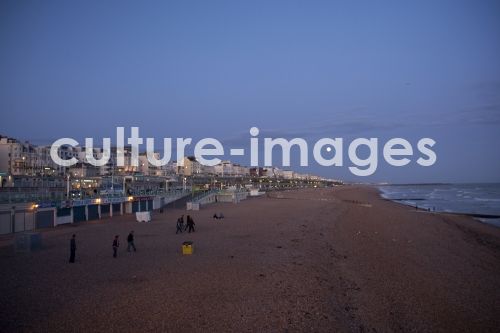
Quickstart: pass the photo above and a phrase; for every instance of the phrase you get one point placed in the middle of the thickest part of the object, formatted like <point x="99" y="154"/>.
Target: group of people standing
<point x="181" y="227"/>
<point x="189" y="224"/>
<point x="218" y="217"/>
<point x="115" y="245"/>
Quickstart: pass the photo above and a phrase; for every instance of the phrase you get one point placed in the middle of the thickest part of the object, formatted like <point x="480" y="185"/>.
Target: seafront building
<point x="37" y="193"/>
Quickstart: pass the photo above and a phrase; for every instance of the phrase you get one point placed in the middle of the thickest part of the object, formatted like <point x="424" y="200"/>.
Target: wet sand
<point x="319" y="260"/>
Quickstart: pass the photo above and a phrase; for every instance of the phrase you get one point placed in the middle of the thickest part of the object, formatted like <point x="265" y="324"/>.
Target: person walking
<point x="130" y="241"/>
<point x="72" y="249"/>
<point x="116" y="244"/>
<point x="180" y="225"/>
<point x="189" y="224"/>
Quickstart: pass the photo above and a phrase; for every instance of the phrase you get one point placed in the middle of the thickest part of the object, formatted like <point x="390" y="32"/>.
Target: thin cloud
<point x="343" y="124"/>
<point x="488" y="114"/>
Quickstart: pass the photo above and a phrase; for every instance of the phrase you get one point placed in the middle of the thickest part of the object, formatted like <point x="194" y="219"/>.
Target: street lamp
<point x="67" y="186"/>
<point x="35" y="207"/>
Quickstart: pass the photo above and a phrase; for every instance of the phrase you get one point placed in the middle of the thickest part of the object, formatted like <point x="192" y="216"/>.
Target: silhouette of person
<point x="116" y="244"/>
<point x="130" y="241"/>
<point x="180" y="225"/>
<point x="189" y="224"/>
<point x="72" y="248"/>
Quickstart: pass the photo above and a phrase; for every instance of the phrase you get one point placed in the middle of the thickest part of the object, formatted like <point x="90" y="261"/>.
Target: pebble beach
<point x="313" y="260"/>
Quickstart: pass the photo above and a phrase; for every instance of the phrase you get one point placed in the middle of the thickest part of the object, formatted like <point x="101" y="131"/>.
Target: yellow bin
<point x="187" y="248"/>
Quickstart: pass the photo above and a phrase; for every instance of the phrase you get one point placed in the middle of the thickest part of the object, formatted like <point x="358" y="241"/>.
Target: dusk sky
<point x="308" y="69"/>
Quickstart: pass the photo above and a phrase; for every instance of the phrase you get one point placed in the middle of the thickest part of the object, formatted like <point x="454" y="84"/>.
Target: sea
<point x="482" y="201"/>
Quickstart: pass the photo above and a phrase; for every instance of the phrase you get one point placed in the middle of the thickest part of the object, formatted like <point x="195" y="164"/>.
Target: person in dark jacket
<point x="116" y="245"/>
<point x="130" y="241"/>
<point x="180" y="225"/>
<point x="189" y="224"/>
<point x="72" y="248"/>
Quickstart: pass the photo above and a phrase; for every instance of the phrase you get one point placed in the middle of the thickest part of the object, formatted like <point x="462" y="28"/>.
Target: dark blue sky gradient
<point x="216" y="68"/>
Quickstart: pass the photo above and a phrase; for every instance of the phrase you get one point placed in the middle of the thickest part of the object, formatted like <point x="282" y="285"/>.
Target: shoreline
<point x="490" y="219"/>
